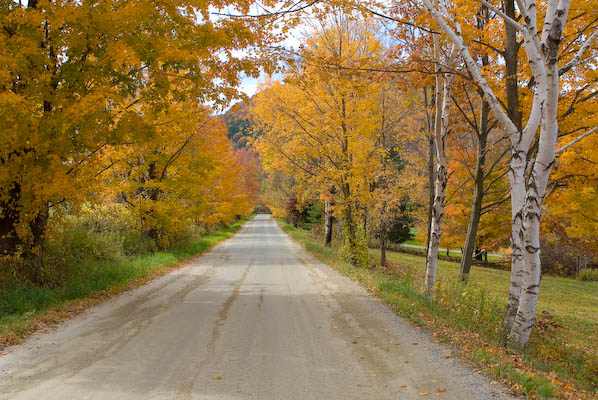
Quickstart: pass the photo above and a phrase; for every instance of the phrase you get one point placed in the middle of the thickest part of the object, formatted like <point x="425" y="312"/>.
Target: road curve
<point x="257" y="312"/>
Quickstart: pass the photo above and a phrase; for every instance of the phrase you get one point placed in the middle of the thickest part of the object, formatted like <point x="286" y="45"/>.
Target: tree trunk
<point x="511" y="54"/>
<point x="34" y="254"/>
<point x="383" y="234"/>
<point x="29" y="248"/>
<point x="478" y="194"/>
<point x="518" y="166"/>
<point x="349" y="221"/>
<point x="440" y="132"/>
<point x="431" y="174"/>
<point x="328" y="221"/>
<point x="350" y="224"/>
<point x="10" y="242"/>
<point x="383" y="246"/>
<point x="534" y="196"/>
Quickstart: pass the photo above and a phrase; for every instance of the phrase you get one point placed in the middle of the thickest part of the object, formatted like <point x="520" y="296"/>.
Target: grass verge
<point x="561" y="361"/>
<point x="27" y="309"/>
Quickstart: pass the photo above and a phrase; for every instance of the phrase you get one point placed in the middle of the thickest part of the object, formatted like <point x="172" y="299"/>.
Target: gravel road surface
<point x="255" y="318"/>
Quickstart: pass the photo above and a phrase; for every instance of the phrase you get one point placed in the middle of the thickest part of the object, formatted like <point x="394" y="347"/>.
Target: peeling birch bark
<point x="526" y="197"/>
<point x="443" y="84"/>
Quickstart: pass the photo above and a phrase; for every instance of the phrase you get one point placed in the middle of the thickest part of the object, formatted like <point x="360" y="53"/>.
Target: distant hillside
<point x="239" y="125"/>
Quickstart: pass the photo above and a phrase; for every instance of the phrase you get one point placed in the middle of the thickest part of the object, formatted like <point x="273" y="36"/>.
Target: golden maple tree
<point x="74" y="77"/>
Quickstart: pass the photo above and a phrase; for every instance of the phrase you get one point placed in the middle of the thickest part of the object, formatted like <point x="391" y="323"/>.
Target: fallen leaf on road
<point x="371" y="372"/>
<point x="361" y="357"/>
<point x="440" y="390"/>
<point x="218" y="377"/>
<point x="423" y="393"/>
<point x="414" y="343"/>
<point x="354" y="342"/>
<point x="406" y="361"/>
<point x="404" y="385"/>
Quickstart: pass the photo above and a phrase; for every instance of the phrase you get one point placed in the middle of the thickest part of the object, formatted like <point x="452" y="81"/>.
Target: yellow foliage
<point x="80" y="79"/>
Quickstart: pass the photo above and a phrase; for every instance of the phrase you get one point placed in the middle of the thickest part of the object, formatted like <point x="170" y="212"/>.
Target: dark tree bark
<point x="30" y="249"/>
<point x="383" y="245"/>
<point x="328" y="224"/>
<point x="511" y="52"/>
<point x="481" y="139"/>
<point x="34" y="254"/>
<point x="478" y="194"/>
<point x="9" y="240"/>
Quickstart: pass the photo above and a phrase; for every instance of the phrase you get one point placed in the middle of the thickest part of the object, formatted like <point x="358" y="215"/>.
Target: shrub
<point x="588" y="275"/>
<point x="357" y="254"/>
<point x="564" y="258"/>
<point x="105" y="233"/>
<point x="471" y="306"/>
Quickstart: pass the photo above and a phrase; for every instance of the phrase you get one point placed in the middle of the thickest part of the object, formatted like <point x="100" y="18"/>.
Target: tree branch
<point x="571" y="143"/>
<point x="577" y="58"/>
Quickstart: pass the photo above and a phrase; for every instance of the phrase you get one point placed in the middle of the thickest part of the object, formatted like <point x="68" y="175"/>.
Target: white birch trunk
<point x="443" y="84"/>
<point x="517" y="182"/>
<point x="526" y="198"/>
<point x="538" y="181"/>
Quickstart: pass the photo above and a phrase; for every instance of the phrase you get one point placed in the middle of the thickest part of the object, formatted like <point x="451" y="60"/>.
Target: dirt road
<point x="255" y="318"/>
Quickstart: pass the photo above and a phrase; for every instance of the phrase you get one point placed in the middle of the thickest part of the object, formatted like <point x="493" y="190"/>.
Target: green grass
<point x="470" y="315"/>
<point x="21" y="306"/>
<point x="414" y="242"/>
<point x="567" y="299"/>
<point x="570" y="349"/>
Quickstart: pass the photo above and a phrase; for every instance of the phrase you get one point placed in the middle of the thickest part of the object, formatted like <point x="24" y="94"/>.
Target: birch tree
<point x="541" y="44"/>
<point x="441" y="130"/>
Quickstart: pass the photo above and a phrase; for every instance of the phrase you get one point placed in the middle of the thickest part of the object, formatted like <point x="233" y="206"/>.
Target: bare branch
<point x="571" y="143"/>
<point x="505" y="17"/>
<point x="577" y="59"/>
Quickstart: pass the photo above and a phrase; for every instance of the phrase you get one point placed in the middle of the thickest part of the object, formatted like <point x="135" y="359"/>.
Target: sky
<point x="249" y="85"/>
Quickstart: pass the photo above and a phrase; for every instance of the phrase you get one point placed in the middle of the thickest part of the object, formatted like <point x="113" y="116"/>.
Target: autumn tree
<point x="480" y="189"/>
<point x="390" y="213"/>
<point x="72" y="71"/>
<point x="443" y="83"/>
<point x="323" y="126"/>
<point x="181" y="171"/>
<point x="542" y="50"/>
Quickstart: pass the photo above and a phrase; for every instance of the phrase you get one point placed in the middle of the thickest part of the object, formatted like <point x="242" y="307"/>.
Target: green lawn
<point x="567" y="299"/>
